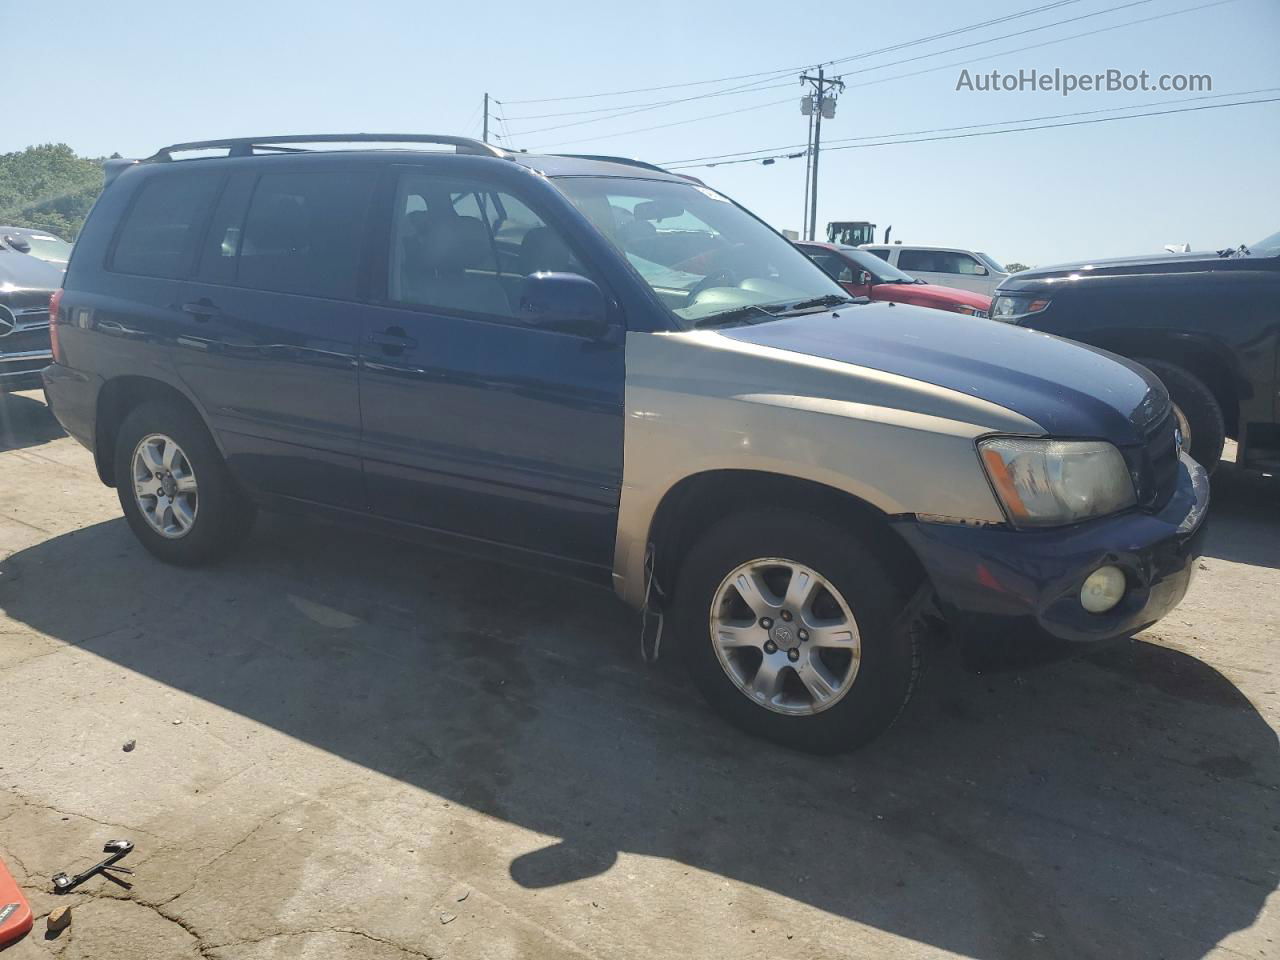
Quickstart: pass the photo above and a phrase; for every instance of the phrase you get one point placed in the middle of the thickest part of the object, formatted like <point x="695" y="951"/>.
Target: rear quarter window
<point x="160" y="230"/>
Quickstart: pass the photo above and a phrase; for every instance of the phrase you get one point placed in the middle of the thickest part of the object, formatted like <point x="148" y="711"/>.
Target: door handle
<point x="393" y="340"/>
<point x="201" y="309"/>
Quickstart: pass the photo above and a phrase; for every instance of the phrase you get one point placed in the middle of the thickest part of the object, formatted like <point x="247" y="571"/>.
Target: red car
<point x="864" y="274"/>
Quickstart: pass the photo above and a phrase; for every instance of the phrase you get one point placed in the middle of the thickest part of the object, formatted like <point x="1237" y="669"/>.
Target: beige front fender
<point x="697" y="401"/>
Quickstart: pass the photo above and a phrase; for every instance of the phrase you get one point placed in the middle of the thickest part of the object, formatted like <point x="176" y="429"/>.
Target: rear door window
<point x="925" y="261"/>
<point x="158" y="236"/>
<point x="303" y="233"/>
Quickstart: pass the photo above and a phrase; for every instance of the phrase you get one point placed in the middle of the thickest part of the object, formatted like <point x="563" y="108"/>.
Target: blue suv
<point x="604" y="369"/>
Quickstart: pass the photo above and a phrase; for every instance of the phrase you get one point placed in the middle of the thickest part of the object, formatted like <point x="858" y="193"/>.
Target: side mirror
<point x="565" y="302"/>
<point x="864" y="278"/>
<point x="981" y="271"/>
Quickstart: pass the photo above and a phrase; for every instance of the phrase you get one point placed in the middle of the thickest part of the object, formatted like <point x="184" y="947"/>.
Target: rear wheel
<point x="793" y="629"/>
<point x="174" y="487"/>
<point x="1199" y="415"/>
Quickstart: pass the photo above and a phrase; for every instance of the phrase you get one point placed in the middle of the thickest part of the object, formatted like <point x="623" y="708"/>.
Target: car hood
<point x="25" y="272"/>
<point x="1068" y="389"/>
<point x="919" y="292"/>
<point x="1117" y="266"/>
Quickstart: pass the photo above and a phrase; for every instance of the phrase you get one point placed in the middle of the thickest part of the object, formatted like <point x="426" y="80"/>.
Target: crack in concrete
<point x="311" y="931"/>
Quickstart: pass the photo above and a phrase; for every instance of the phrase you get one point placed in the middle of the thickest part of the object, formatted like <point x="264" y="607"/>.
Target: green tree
<point x="48" y="187"/>
<point x="1016" y="267"/>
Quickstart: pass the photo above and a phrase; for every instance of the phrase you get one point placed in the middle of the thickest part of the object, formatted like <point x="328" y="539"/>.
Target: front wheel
<point x="175" y="490"/>
<point x="1198" y="413"/>
<point x="794" y="630"/>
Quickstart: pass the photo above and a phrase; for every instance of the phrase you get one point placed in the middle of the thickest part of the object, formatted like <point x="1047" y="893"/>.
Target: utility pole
<point x="819" y="105"/>
<point x="485" y="136"/>
<point x="808" y="173"/>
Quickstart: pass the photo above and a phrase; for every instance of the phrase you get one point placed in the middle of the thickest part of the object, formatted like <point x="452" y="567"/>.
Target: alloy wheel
<point x="785" y="636"/>
<point x="165" y="486"/>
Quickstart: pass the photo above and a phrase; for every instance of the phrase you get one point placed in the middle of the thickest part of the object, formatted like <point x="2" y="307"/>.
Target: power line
<point x="1005" y="36"/>
<point x="1045" y="43"/>
<point x="674" y="123"/>
<point x="992" y="133"/>
<point x="747" y="76"/>
<point x="931" y="69"/>
<point x="744" y="88"/>
<point x="640" y="107"/>
<point x="766" y="152"/>
<point x="656" y="103"/>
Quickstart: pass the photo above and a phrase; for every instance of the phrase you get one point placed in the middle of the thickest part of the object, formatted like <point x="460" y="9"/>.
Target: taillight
<point x="55" y="302"/>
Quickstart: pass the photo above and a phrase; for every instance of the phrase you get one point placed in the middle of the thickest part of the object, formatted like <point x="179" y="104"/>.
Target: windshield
<point x="992" y="263"/>
<point x="880" y="271"/>
<point x="701" y="254"/>
<point x="1269" y="247"/>
<point x="43" y="247"/>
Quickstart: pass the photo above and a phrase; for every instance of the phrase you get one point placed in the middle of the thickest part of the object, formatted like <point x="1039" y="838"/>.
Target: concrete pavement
<point x="353" y="747"/>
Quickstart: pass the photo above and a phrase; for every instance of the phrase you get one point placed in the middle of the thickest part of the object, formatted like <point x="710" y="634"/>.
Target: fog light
<point x="1103" y="589"/>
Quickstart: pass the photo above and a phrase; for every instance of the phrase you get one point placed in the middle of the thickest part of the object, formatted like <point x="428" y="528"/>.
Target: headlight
<point x="1045" y="483"/>
<point x="1011" y="308"/>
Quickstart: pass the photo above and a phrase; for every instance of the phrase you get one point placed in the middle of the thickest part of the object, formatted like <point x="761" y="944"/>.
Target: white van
<point x="946" y="266"/>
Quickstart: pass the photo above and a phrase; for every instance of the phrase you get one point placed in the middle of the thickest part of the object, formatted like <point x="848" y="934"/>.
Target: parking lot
<point x="352" y="747"/>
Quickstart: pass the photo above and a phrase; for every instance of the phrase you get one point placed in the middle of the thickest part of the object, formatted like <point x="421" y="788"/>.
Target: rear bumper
<point x="72" y="396"/>
<point x="1006" y="589"/>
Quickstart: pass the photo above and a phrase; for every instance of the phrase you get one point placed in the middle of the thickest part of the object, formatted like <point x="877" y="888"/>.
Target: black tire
<point x="224" y="515"/>
<point x="890" y="656"/>
<point x="1201" y="409"/>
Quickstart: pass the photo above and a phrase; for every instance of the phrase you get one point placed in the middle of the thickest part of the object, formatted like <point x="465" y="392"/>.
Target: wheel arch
<point x="698" y="501"/>
<point x="1202" y="357"/>
<point x="117" y="398"/>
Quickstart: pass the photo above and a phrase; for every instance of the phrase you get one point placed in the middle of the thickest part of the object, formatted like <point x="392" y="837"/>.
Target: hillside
<point x="48" y="187"/>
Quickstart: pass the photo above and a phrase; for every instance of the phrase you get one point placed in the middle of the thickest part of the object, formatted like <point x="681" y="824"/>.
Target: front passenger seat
<point x="458" y="269"/>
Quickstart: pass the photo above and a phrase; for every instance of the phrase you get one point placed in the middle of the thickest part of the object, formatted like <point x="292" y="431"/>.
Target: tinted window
<point x="462" y="245"/>
<point x="880" y="252"/>
<point x="939" y="261"/>
<point x="880" y="270"/>
<point x="918" y="260"/>
<point x="303" y="233"/>
<point x="832" y="263"/>
<point x="160" y="230"/>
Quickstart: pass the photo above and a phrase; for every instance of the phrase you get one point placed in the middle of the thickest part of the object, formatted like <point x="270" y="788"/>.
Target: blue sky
<point x="131" y="77"/>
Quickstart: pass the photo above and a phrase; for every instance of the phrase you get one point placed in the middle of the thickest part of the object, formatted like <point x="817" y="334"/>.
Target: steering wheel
<point x="713" y="279"/>
<point x="718" y="275"/>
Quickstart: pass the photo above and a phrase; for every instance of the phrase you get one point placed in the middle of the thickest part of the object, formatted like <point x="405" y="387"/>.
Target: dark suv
<point x="607" y="370"/>
<point x="1207" y="323"/>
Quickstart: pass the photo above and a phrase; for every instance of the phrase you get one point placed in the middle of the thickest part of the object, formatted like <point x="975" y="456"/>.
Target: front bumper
<point x="1007" y="589"/>
<point x="20" y="369"/>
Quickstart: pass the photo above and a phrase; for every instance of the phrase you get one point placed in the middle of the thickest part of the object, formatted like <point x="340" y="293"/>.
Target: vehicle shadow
<point x="1244" y="517"/>
<point x="25" y="421"/>
<point x="1120" y="806"/>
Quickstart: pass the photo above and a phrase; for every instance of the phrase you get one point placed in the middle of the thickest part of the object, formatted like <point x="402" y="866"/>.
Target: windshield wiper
<point x="830" y="300"/>
<point x="735" y="314"/>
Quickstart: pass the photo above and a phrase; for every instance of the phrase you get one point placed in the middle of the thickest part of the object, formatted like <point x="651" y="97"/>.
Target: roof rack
<point x="250" y="146"/>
